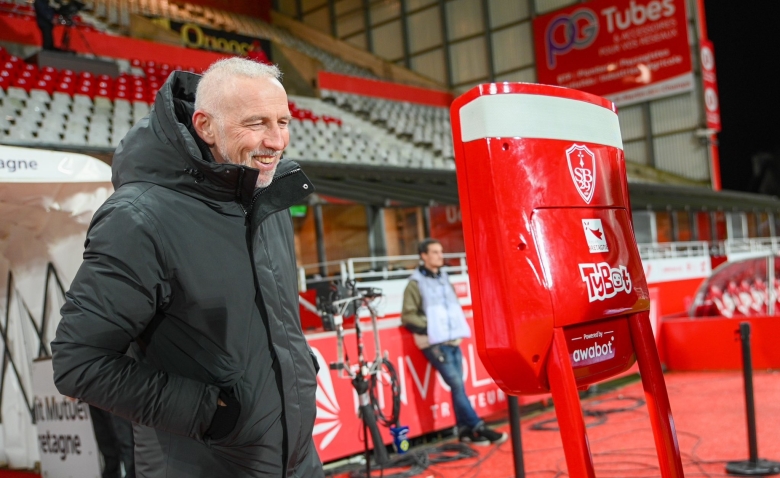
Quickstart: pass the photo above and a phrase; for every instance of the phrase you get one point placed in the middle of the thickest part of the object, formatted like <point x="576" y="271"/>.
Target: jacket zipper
<point x="261" y="192"/>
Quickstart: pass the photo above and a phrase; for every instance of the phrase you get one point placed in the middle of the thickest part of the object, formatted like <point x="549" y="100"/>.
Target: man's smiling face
<point x="251" y="126"/>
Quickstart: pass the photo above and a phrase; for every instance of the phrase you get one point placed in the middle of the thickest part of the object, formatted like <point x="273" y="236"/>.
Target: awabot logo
<point x="582" y="166"/>
<point x="327" y="421"/>
<point x="604" y="281"/>
<point x="577" y="30"/>
<point x="594" y="235"/>
<point x="593" y="348"/>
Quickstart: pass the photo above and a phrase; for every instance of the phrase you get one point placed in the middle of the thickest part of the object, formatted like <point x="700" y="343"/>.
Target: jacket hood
<point x="163" y="149"/>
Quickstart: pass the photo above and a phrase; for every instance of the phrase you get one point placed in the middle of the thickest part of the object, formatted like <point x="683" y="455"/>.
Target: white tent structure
<point x="47" y="199"/>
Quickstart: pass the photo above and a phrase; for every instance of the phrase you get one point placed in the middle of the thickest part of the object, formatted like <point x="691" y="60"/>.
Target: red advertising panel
<point x="446" y="226"/>
<point x="710" y="84"/>
<point x="426" y="401"/>
<point x="626" y="50"/>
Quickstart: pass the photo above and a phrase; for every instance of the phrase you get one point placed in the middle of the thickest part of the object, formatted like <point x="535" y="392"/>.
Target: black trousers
<point x="115" y="440"/>
<point x="46" y="32"/>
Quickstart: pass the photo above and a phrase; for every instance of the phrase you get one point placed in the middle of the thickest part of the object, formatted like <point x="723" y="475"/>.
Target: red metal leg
<point x="568" y="409"/>
<point x="655" y="393"/>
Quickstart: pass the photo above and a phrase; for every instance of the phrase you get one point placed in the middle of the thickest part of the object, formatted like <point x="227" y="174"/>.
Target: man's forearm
<point x="133" y="390"/>
<point x="416" y="326"/>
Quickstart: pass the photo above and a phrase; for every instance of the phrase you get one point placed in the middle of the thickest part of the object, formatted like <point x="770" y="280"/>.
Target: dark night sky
<point x="746" y="46"/>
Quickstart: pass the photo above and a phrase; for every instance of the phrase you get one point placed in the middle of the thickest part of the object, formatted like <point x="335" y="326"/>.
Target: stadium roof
<point x="387" y="186"/>
<point x="393" y="186"/>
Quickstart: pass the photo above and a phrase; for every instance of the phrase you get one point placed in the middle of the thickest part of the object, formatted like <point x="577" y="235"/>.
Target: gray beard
<point x="263" y="180"/>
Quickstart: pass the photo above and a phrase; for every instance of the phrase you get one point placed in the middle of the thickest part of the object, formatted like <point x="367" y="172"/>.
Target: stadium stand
<point x="425" y="126"/>
<point x="60" y="107"/>
<point x="23" y="8"/>
<point x="117" y="12"/>
<point x="332" y="134"/>
<point x="53" y="106"/>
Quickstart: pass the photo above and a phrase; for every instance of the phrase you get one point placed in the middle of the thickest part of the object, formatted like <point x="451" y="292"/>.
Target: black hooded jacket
<point x="187" y="290"/>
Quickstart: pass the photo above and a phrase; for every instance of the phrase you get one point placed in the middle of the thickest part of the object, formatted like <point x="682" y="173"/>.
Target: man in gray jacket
<point x="432" y="312"/>
<point x="183" y="317"/>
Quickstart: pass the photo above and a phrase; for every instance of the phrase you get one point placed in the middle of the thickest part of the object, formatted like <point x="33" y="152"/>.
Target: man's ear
<point x="205" y="127"/>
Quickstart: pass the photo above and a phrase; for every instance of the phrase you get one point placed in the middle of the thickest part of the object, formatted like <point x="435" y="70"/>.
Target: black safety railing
<point x="13" y="295"/>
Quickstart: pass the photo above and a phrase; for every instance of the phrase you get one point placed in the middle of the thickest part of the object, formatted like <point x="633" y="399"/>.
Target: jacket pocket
<point x="231" y="437"/>
<point x="315" y="362"/>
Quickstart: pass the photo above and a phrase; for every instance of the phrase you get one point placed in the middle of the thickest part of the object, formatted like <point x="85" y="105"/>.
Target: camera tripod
<point x="66" y="12"/>
<point x="365" y="374"/>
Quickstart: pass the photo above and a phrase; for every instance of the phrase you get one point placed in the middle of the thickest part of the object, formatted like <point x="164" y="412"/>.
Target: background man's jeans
<point x="114" y="437"/>
<point x="448" y="360"/>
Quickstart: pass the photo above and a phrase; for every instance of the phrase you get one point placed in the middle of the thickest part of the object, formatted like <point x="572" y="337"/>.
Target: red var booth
<point x="559" y="294"/>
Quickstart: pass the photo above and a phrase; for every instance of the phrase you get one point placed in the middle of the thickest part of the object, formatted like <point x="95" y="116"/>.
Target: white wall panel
<point x="513" y="47"/>
<point x="675" y="113"/>
<point x="526" y="75"/>
<point x="350" y="23"/>
<point x="632" y="122"/>
<point x="415" y="4"/>
<point x="319" y="19"/>
<point x="462" y="89"/>
<point x="385" y="10"/>
<point x="682" y="154"/>
<point x="468" y="60"/>
<point x="431" y="64"/>
<point x="311" y="4"/>
<point x="504" y="12"/>
<point x="464" y="18"/>
<point x="544" y="6"/>
<point x="424" y="29"/>
<point x="636" y="151"/>
<point x="387" y="40"/>
<point x="343" y="6"/>
<point x="358" y="40"/>
<point x="286" y="6"/>
<point x="643" y="226"/>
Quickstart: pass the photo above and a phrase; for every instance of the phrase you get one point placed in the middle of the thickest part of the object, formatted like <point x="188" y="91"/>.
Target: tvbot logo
<point x="604" y="281"/>
<point x="577" y="30"/>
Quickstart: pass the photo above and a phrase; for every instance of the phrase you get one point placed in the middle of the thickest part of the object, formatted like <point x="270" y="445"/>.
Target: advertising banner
<point x="27" y="165"/>
<point x="66" y="440"/>
<point x="426" y="401"/>
<point x="710" y="84"/>
<point x="625" y="50"/>
<point x="203" y="38"/>
<point x="446" y="226"/>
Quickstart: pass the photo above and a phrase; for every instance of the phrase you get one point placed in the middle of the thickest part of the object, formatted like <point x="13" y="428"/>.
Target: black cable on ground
<point x="592" y="411"/>
<point x="418" y="461"/>
<point x="449" y="452"/>
<point x="395" y="387"/>
<point x="473" y="470"/>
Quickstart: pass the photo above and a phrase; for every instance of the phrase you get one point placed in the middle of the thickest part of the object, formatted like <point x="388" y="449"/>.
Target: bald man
<point x="183" y="317"/>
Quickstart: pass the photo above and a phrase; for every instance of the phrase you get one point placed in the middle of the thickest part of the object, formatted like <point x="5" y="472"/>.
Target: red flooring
<point x="18" y="474"/>
<point x="709" y="413"/>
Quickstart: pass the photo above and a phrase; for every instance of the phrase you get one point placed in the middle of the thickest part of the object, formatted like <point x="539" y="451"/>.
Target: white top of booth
<point x="27" y="165"/>
<point x="518" y="115"/>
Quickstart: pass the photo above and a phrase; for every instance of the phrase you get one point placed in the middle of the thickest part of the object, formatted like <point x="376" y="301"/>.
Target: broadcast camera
<point x="344" y="300"/>
<point x="68" y="9"/>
